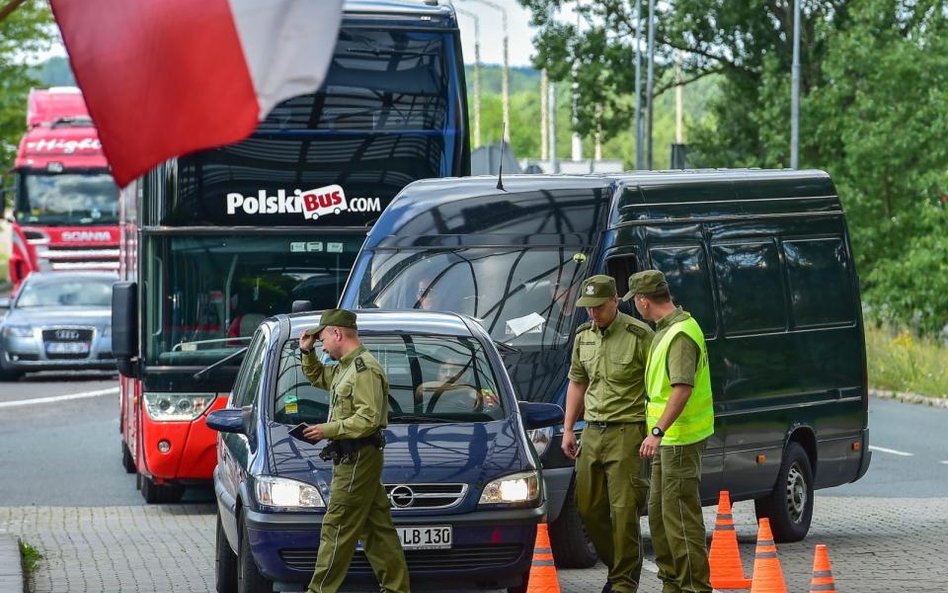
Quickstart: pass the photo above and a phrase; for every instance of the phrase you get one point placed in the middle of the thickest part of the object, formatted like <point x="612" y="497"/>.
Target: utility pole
<point x="544" y="115"/>
<point x="650" y="83"/>
<point x="577" y="140"/>
<point x="639" y="160"/>
<point x="477" y="75"/>
<point x="795" y="92"/>
<point x="554" y="162"/>
<point x="505" y="75"/>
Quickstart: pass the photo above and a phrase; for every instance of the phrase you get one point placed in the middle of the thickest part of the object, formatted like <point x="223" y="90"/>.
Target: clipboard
<point x="297" y="433"/>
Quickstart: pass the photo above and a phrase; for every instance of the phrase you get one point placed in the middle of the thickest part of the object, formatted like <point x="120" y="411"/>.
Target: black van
<point x="761" y="258"/>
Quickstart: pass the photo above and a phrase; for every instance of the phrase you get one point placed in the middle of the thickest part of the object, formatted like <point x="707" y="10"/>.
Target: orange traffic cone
<point x="543" y="577"/>
<point x="725" y="557"/>
<point x="822" y="580"/>
<point x="768" y="576"/>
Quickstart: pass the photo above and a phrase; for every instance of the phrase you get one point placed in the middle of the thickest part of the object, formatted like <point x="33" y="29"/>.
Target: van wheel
<point x="249" y="579"/>
<point x="225" y="562"/>
<point x="127" y="462"/>
<point x="522" y="587"/>
<point x="790" y="506"/>
<point x="155" y="494"/>
<point x="571" y="545"/>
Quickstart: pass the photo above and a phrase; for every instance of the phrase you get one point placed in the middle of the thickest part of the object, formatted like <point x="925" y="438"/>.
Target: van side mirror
<point x="125" y="327"/>
<point x="300" y="306"/>
<point x="233" y="420"/>
<point x="539" y="415"/>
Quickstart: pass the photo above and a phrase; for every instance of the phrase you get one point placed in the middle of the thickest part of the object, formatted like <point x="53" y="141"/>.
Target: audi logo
<point x="401" y="496"/>
<point x="67" y="334"/>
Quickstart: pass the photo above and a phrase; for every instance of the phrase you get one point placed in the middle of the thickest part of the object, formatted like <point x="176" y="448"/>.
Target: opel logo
<point x="401" y="496"/>
<point x="67" y="334"/>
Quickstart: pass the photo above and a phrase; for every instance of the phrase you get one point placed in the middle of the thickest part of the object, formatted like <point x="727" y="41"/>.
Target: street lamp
<point x="505" y="77"/>
<point x="477" y="75"/>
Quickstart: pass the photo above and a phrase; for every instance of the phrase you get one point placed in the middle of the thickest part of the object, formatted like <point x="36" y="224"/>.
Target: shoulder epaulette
<point x="638" y="328"/>
<point x="360" y="364"/>
<point x="584" y="327"/>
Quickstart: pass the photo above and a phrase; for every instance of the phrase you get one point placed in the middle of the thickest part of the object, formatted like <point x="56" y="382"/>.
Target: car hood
<point x="469" y="453"/>
<point x="59" y="316"/>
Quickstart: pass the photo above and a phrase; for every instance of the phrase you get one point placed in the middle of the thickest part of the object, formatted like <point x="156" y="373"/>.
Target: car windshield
<point x="68" y="199"/>
<point x="432" y="378"/>
<point x="73" y="292"/>
<point x="523" y="297"/>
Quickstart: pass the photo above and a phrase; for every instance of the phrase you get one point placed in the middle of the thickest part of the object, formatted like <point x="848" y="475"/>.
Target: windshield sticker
<point x="312" y="204"/>
<point x="309" y="246"/>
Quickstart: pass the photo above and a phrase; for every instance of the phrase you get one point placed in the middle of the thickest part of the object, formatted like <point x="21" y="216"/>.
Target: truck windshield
<point x="523" y="297"/>
<point x="431" y="378"/>
<point x="74" y="199"/>
<point x="205" y="295"/>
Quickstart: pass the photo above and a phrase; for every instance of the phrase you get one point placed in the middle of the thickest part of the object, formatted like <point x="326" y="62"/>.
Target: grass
<point x="31" y="557"/>
<point x="899" y="361"/>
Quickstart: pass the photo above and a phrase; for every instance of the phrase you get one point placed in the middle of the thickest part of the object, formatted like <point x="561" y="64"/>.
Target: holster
<point x="343" y="450"/>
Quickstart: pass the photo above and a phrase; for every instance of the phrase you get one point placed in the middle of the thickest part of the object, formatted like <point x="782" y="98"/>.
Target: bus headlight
<point x="169" y="407"/>
<point x="284" y="494"/>
<point x="516" y="489"/>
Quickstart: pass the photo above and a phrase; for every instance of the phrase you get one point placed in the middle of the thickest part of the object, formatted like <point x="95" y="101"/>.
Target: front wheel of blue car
<point x="225" y="562"/>
<point x="249" y="579"/>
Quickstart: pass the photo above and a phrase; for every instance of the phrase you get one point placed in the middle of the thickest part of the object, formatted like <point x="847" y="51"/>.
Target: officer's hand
<point x="570" y="446"/>
<point x="649" y="446"/>
<point x="314" y="432"/>
<point x="307" y="342"/>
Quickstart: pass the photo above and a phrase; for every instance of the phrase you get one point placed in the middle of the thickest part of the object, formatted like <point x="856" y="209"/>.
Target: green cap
<point x="335" y="318"/>
<point x="645" y="282"/>
<point x="596" y="290"/>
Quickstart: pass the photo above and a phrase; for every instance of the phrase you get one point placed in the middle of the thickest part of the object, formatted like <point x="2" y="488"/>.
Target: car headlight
<point x="284" y="494"/>
<point x="17" y="331"/>
<point x="541" y="438"/>
<point x="516" y="489"/>
<point x="165" y="407"/>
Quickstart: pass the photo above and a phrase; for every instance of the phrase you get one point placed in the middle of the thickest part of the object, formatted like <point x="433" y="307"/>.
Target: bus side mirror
<point x="301" y="306"/>
<point x="125" y="327"/>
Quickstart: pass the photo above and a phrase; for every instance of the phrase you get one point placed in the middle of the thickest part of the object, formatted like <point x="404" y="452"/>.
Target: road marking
<point x="59" y="398"/>
<point x="945" y="462"/>
<point x="892" y="451"/>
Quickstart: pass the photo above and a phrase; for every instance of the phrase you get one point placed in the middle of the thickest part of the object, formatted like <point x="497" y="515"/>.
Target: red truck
<point x="65" y="209"/>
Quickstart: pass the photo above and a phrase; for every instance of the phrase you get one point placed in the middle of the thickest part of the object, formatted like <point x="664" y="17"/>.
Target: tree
<point x="27" y="31"/>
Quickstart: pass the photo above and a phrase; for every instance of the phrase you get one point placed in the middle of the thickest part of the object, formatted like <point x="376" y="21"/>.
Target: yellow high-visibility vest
<point x="696" y="421"/>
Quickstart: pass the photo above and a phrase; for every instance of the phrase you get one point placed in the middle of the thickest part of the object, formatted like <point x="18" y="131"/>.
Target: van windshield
<point x="524" y="297"/>
<point x="431" y="379"/>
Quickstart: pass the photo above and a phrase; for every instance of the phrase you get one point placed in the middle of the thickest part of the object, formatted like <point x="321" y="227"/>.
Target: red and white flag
<point x="163" y="78"/>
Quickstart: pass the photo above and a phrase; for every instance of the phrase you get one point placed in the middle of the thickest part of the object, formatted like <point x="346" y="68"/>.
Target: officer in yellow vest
<point x="358" y="507"/>
<point x="680" y="420"/>
<point x="607" y="388"/>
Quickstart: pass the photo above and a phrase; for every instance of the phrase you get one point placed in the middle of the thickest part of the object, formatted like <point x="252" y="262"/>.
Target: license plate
<point x="67" y="348"/>
<point x="432" y="537"/>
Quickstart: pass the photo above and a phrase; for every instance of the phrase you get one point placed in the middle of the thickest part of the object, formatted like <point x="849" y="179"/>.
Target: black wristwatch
<point x="658" y="432"/>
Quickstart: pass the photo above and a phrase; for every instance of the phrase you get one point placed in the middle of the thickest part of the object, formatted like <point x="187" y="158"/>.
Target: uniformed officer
<point x="358" y="507"/>
<point x="606" y="387"/>
<point x="680" y="420"/>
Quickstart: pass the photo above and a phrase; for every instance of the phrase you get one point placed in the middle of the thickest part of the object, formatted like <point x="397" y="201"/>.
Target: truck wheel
<point x="127" y="462"/>
<point x="155" y="494"/>
<point x="571" y="545"/>
<point x="225" y="562"/>
<point x="790" y="506"/>
<point x="249" y="579"/>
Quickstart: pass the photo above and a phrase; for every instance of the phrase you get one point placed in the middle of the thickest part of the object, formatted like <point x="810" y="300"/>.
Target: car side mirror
<point x="5" y="302"/>
<point x="125" y="327"/>
<point x="233" y="420"/>
<point x="540" y="415"/>
<point x="300" y="306"/>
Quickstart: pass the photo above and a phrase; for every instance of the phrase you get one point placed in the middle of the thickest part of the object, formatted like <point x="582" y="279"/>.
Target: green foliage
<point x="27" y="31"/>
<point x="30" y="558"/>
<point x="899" y="361"/>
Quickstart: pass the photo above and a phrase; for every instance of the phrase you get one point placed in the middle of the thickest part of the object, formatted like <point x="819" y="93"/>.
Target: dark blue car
<point x="463" y="478"/>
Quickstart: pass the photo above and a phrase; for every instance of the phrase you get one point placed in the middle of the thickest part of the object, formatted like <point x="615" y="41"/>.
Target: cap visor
<point x="628" y="296"/>
<point x="588" y="301"/>
<point x="315" y="331"/>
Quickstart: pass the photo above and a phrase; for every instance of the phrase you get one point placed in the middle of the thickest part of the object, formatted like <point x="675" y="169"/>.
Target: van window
<point x="686" y="269"/>
<point x="750" y="290"/>
<point x="820" y="281"/>
<point x="437" y="377"/>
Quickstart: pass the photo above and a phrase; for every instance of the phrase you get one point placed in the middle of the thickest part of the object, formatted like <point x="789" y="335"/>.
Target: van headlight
<point x="287" y="495"/>
<point x="541" y="439"/>
<point x="169" y="407"/>
<point x="522" y="489"/>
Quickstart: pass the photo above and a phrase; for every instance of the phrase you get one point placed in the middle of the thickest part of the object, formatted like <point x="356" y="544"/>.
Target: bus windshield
<point x="205" y="295"/>
<point x="73" y="199"/>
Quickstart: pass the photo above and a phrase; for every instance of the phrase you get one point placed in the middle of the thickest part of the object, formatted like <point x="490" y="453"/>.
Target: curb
<point x="911" y="398"/>
<point x="11" y="567"/>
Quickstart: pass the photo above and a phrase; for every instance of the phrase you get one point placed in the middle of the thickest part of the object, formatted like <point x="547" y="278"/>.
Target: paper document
<point x="532" y="323"/>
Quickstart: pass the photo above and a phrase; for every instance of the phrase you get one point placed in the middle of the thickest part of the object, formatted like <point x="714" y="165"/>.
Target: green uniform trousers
<point x="359" y="509"/>
<point x="675" y="520"/>
<point x="610" y="490"/>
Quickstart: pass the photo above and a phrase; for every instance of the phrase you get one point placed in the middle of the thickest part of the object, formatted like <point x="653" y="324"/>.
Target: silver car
<point x="58" y="321"/>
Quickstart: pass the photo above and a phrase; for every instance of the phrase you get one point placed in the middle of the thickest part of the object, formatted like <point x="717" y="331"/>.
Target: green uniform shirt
<point x="611" y="363"/>
<point x="682" y="352"/>
<point x="357" y="393"/>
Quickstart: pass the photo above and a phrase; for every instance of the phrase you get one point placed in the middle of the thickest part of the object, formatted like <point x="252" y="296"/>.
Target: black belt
<point x="605" y="425"/>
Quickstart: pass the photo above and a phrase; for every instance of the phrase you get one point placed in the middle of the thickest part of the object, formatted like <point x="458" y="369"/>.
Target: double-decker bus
<point x="65" y="209"/>
<point x="215" y="241"/>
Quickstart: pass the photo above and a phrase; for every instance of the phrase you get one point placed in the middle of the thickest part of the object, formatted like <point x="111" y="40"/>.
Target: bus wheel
<point x="790" y="506"/>
<point x="571" y="545"/>
<point x="155" y="494"/>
